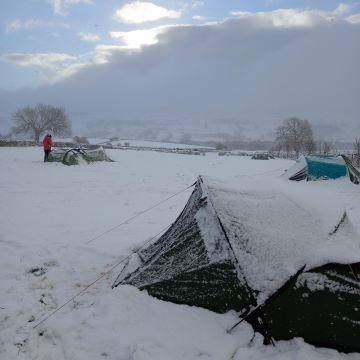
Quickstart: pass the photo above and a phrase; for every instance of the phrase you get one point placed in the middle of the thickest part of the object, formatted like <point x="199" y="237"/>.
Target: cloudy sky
<point x="241" y="65"/>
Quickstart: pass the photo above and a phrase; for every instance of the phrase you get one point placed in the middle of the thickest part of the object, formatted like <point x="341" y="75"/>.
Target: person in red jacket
<point x="47" y="144"/>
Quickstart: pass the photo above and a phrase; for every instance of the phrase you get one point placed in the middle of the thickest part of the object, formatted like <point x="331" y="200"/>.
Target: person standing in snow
<point x="47" y="144"/>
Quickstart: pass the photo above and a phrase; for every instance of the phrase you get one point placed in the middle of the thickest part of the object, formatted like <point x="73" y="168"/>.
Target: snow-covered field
<point x="62" y="228"/>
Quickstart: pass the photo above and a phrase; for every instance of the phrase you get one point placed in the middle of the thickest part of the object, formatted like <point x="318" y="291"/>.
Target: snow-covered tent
<point x="317" y="168"/>
<point x="354" y="173"/>
<point x="262" y="156"/>
<point x="74" y="156"/>
<point x="262" y="255"/>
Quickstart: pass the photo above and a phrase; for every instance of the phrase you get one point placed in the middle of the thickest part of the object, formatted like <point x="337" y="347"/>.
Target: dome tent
<point x="260" y="254"/>
<point x="74" y="156"/>
<point x="317" y="168"/>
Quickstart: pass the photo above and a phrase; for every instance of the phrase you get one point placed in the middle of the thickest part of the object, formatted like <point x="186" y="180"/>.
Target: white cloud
<point x="61" y="6"/>
<point x="49" y="65"/>
<point x="354" y="19"/>
<point x="139" y="12"/>
<point x="103" y="53"/>
<point x="298" y="17"/>
<point x="198" y="4"/>
<point x="138" y="38"/>
<point x="199" y="18"/>
<point x="51" y="68"/>
<point x="58" y="7"/>
<point x="342" y="9"/>
<point x="14" y="25"/>
<point x="41" y="59"/>
<point x="287" y="17"/>
<point x="66" y="72"/>
<point x="88" y="37"/>
<point x="29" y="24"/>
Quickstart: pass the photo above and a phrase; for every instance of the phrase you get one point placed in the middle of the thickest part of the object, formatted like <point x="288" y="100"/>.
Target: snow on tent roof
<point x="354" y="173"/>
<point x="317" y="168"/>
<point x="272" y="237"/>
<point x="298" y="171"/>
<point x="259" y="253"/>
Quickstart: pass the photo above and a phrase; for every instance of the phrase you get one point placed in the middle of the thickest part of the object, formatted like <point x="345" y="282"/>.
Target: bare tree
<point x="80" y="140"/>
<point x="325" y="148"/>
<point x="295" y="135"/>
<point x="40" y="119"/>
<point x="221" y="146"/>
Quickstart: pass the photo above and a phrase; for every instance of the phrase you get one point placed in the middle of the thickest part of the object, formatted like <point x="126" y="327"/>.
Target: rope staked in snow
<point x="353" y="273"/>
<point x="99" y="278"/>
<point x="119" y="262"/>
<point x="137" y="215"/>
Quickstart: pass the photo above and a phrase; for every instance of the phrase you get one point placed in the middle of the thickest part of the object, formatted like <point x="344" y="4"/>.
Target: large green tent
<point x="260" y="254"/>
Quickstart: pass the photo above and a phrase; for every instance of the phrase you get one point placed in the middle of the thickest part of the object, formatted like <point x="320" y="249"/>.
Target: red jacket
<point x="47" y="143"/>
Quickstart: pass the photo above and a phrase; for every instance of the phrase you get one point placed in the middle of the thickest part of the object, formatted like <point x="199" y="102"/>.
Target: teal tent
<point x="262" y="255"/>
<point x="317" y="168"/>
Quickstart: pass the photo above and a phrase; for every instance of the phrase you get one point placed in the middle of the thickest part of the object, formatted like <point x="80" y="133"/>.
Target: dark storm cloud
<point x="243" y="70"/>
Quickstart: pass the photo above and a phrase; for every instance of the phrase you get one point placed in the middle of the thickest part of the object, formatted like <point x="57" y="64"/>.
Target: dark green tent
<point x="353" y="171"/>
<point x="262" y="255"/>
<point x="75" y="156"/>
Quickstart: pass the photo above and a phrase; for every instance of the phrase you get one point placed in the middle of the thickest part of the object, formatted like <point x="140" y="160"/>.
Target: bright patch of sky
<point x="47" y="40"/>
<point x="140" y="12"/>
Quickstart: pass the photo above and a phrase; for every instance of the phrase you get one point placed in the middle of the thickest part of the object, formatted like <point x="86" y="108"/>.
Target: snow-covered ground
<point x="62" y="228"/>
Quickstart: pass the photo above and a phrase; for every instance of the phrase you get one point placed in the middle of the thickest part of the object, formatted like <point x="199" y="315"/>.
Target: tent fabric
<point x="314" y="168"/>
<point x="75" y="156"/>
<point x="325" y="167"/>
<point x="322" y="307"/>
<point x="262" y="156"/>
<point x="182" y="268"/>
<point x="238" y="250"/>
<point x="354" y="173"/>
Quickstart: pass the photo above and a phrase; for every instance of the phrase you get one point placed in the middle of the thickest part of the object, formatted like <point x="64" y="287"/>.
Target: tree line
<point x="293" y="137"/>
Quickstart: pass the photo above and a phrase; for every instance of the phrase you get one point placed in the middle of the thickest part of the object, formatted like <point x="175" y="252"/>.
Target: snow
<point x="277" y="236"/>
<point x="60" y="232"/>
<point x="216" y="245"/>
<point x="299" y="165"/>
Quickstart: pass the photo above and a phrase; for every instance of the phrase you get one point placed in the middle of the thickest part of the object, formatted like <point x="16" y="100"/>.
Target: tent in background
<point x="260" y="254"/>
<point x="317" y="168"/>
<point x="75" y="156"/>
<point x="262" y="156"/>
